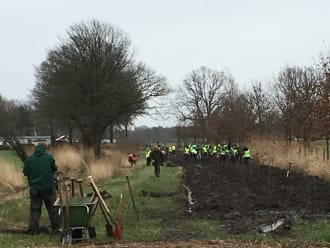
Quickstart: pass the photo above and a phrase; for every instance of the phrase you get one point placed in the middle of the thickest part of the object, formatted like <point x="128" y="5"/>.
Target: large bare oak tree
<point x="92" y="79"/>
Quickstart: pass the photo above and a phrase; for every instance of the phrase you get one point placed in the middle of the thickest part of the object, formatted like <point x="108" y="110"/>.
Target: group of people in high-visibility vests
<point x="222" y="152"/>
<point x="159" y="154"/>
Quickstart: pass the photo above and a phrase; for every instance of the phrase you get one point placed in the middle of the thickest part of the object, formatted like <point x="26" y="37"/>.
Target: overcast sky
<point x="252" y="39"/>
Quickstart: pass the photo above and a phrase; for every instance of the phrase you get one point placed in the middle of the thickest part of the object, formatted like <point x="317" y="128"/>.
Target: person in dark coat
<point x="157" y="158"/>
<point x="39" y="169"/>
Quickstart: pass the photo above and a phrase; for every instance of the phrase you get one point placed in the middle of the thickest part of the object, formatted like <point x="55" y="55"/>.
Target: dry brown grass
<point x="75" y="162"/>
<point x="68" y="159"/>
<point x="10" y="177"/>
<point x="275" y="152"/>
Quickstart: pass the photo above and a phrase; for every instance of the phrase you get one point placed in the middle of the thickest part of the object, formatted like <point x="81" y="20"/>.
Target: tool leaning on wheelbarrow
<point x="110" y="220"/>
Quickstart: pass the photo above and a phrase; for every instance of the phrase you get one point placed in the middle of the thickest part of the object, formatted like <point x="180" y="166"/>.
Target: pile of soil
<point x="243" y="197"/>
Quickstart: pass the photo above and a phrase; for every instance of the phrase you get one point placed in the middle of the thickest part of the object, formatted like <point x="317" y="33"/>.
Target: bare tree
<point x="201" y="96"/>
<point x="322" y="105"/>
<point x="92" y="79"/>
<point x="16" y="118"/>
<point x="235" y="119"/>
<point x="297" y="91"/>
<point x="263" y="107"/>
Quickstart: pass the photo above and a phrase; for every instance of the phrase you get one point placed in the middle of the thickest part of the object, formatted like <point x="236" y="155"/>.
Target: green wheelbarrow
<point x="75" y="216"/>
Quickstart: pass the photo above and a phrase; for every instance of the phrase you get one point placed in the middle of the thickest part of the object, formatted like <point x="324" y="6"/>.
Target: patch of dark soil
<point x="242" y="197"/>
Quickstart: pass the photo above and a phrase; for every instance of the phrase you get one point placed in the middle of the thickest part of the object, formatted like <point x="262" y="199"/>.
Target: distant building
<point x="34" y="140"/>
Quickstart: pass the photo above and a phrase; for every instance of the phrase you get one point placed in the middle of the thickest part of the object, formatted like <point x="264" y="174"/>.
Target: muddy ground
<point x="243" y="197"/>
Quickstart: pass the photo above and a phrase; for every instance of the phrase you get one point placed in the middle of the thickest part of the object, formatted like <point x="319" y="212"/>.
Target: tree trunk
<point x="70" y="129"/>
<point x="327" y="146"/>
<point x="206" y="129"/>
<point x="52" y="136"/>
<point x="91" y="138"/>
<point x="86" y="137"/>
<point x="288" y="136"/>
<point x="126" y="130"/>
<point x="111" y="134"/>
<point x="97" y="148"/>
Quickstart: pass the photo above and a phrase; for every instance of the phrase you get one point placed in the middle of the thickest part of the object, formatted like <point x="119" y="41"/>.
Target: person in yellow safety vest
<point x="235" y="152"/>
<point x="207" y="147"/>
<point x="204" y="151"/>
<point x="186" y="152"/>
<point x="246" y="155"/>
<point x="193" y="151"/>
<point x="148" y="155"/>
<point x="214" y="150"/>
<point x="223" y="153"/>
<point x="173" y="149"/>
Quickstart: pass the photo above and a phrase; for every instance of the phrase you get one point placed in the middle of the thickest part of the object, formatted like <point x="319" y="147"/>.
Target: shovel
<point x="104" y="208"/>
<point x="108" y="226"/>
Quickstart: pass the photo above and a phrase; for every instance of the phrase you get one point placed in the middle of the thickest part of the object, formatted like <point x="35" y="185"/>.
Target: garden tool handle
<point x="79" y="181"/>
<point x="72" y="186"/>
<point x="102" y="202"/>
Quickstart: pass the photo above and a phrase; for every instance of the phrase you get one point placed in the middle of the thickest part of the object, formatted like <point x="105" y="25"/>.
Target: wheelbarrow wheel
<point x="67" y="237"/>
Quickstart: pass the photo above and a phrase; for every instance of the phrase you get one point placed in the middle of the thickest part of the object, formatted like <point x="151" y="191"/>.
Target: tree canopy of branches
<point x="296" y="93"/>
<point x="201" y="96"/>
<point x="263" y="107"/>
<point x="91" y="79"/>
<point x="16" y="118"/>
<point x="234" y="120"/>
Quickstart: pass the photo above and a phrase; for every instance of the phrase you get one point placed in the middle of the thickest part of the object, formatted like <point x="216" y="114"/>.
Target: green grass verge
<point x="151" y="225"/>
<point x="313" y="231"/>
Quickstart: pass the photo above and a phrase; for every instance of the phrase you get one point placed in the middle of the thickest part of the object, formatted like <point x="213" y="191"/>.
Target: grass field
<point x="152" y="212"/>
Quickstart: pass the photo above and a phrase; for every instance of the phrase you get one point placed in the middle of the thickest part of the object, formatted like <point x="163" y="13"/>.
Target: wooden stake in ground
<point x="132" y="197"/>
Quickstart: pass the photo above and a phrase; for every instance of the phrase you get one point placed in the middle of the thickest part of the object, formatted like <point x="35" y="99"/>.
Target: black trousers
<point x="157" y="169"/>
<point x="36" y="199"/>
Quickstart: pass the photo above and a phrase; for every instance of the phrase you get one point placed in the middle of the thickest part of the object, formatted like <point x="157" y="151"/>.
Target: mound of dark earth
<point x="242" y="197"/>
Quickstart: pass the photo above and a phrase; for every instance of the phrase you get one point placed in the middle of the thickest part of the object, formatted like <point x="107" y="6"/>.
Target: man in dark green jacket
<point x="39" y="169"/>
